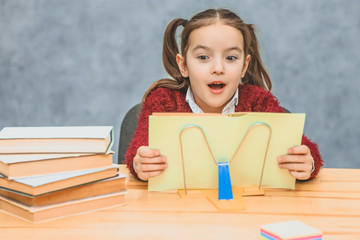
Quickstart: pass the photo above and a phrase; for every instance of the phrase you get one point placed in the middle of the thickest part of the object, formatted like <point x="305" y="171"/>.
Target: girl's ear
<point x="246" y="65"/>
<point x="182" y="66"/>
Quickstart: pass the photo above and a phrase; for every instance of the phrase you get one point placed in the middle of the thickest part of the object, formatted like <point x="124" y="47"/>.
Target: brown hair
<point x="255" y="74"/>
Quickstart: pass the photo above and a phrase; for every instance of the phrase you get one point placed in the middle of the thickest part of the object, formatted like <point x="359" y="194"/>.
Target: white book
<point x="75" y="139"/>
<point x="36" y="185"/>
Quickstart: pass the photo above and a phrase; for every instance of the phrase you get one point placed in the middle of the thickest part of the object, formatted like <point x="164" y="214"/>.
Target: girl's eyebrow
<point x="234" y="48"/>
<point x="207" y="48"/>
<point x="200" y="47"/>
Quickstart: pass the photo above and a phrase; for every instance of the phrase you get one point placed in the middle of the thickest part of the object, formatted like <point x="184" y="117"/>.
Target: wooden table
<point x="331" y="203"/>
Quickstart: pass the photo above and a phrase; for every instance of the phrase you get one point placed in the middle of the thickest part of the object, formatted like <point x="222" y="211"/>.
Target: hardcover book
<point x="24" y="165"/>
<point x="91" y="189"/>
<point x="64" y="209"/>
<point x="36" y="185"/>
<point x="75" y="139"/>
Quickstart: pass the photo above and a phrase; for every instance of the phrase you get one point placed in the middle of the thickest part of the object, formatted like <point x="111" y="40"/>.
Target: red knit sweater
<point x="251" y="99"/>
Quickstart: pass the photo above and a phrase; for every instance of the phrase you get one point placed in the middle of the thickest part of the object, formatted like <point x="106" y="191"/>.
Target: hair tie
<point x="184" y="23"/>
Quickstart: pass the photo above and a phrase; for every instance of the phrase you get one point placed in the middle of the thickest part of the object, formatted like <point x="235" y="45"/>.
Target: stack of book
<point x="53" y="172"/>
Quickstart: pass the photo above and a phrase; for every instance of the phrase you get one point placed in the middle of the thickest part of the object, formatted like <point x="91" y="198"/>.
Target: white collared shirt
<point x="229" y="108"/>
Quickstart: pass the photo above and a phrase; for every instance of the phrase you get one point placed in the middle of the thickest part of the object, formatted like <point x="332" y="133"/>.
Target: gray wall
<point x="86" y="62"/>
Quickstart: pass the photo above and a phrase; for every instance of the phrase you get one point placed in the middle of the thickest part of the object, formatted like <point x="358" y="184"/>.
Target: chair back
<point x="127" y="130"/>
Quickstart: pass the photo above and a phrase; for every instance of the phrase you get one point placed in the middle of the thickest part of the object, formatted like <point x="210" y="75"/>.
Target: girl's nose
<point x="218" y="67"/>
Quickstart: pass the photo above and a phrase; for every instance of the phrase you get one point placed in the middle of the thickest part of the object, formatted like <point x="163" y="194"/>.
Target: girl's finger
<point x="146" y="152"/>
<point x="293" y="159"/>
<point x="146" y="175"/>
<point x="296" y="167"/>
<point x="300" y="175"/>
<point x="151" y="167"/>
<point x="153" y="160"/>
<point x="301" y="149"/>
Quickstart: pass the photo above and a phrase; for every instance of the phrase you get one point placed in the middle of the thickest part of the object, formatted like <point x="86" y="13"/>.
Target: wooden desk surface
<point x="331" y="203"/>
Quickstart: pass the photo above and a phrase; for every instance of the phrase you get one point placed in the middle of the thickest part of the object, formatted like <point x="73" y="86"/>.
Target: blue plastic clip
<point x="225" y="190"/>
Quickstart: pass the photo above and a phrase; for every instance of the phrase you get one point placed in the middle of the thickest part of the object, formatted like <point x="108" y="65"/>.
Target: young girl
<point x="219" y="70"/>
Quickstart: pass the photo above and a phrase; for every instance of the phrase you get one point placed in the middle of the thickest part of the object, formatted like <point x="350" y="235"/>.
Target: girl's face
<point x="215" y="64"/>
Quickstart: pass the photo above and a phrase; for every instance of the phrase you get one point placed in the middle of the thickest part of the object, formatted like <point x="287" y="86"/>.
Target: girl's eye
<point x="231" y="58"/>
<point x="203" y="57"/>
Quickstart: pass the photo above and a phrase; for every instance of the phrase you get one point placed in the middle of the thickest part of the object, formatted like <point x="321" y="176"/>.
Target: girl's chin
<point x="214" y="108"/>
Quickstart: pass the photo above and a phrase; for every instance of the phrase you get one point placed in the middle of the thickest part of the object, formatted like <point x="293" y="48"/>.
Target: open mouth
<point x="216" y="85"/>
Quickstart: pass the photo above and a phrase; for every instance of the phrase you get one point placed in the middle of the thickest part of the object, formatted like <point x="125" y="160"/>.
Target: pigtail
<point x="256" y="73"/>
<point x="170" y="50"/>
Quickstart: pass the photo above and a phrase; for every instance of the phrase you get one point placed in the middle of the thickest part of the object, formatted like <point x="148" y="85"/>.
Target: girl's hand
<point x="149" y="163"/>
<point x="299" y="162"/>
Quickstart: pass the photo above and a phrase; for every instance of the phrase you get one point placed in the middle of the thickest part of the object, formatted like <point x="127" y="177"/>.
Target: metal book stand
<point x="236" y="202"/>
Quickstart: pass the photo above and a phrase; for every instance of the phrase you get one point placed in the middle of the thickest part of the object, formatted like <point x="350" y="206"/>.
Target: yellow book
<point x="250" y="142"/>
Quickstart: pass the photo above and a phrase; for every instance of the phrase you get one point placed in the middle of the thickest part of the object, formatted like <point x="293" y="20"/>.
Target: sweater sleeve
<point x="139" y="138"/>
<point x="315" y="153"/>
<point x="159" y="100"/>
